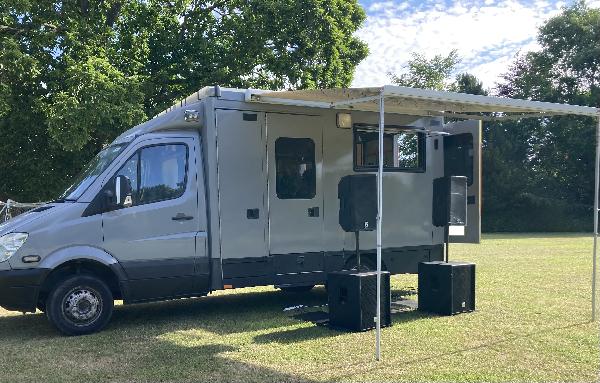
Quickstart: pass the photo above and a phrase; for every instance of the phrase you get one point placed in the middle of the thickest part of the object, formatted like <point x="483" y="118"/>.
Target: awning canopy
<point x="423" y="102"/>
<point x="420" y="102"/>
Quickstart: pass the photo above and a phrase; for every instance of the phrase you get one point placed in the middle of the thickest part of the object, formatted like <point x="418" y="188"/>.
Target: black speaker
<point x="450" y="201"/>
<point x="358" y="202"/>
<point x="446" y="288"/>
<point x="352" y="299"/>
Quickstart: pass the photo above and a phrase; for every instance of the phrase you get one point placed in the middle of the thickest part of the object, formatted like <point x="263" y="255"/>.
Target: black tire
<point x="296" y="289"/>
<point x="81" y="304"/>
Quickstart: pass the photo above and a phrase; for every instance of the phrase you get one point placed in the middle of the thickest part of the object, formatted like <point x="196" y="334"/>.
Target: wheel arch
<point x="82" y="260"/>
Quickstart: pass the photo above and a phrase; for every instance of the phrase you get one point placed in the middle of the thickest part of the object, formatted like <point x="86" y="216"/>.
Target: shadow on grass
<point x="134" y="345"/>
<point x="221" y="314"/>
<point x="206" y="363"/>
<point x="288" y="336"/>
<point x="298" y="335"/>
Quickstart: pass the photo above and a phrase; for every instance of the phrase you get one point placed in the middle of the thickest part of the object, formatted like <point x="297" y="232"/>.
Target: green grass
<point x="532" y="324"/>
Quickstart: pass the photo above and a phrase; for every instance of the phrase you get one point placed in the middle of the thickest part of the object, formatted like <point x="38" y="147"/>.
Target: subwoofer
<point x="450" y="201"/>
<point x="446" y="288"/>
<point x="358" y="202"/>
<point x="352" y="299"/>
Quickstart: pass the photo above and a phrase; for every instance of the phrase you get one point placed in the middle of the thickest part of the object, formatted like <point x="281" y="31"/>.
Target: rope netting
<point x="10" y="209"/>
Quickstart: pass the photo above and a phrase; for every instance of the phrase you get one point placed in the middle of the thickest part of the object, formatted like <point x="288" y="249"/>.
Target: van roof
<point x="397" y="99"/>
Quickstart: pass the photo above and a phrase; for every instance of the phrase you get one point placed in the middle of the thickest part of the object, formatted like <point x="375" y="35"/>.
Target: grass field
<point x="532" y="324"/>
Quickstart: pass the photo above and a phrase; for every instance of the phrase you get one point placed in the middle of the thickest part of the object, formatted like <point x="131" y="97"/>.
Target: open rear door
<point x="462" y="157"/>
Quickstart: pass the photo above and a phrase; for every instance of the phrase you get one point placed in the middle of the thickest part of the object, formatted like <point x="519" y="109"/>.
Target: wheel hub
<point x="82" y="306"/>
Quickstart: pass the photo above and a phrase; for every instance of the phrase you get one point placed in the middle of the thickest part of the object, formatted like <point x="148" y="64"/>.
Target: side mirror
<point x="123" y="191"/>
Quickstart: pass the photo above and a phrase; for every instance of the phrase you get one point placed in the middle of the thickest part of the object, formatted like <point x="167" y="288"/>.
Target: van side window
<point x="157" y="173"/>
<point x="295" y="168"/>
<point x="163" y="172"/>
<point x="403" y="149"/>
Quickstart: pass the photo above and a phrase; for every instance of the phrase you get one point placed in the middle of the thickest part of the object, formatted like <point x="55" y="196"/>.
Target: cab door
<point x="462" y="157"/>
<point x="155" y="238"/>
<point x="294" y="147"/>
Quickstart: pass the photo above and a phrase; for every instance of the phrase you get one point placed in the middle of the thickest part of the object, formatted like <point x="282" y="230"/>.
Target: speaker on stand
<point x="358" y="206"/>
<point x="352" y="294"/>
<point x="448" y="288"/>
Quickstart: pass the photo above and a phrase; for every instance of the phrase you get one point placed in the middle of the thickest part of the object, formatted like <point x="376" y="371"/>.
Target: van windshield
<point x="91" y="171"/>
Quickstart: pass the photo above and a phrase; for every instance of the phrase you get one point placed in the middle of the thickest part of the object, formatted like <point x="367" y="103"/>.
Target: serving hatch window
<point x="295" y="168"/>
<point x="403" y="149"/>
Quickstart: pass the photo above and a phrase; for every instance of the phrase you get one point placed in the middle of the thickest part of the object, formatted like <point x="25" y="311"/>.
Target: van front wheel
<point x="81" y="304"/>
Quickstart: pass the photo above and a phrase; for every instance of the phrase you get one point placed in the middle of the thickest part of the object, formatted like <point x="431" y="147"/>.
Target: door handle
<point x="313" y="211"/>
<point x="182" y="217"/>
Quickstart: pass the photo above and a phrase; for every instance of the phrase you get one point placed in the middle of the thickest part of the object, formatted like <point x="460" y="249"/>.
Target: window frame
<point x="314" y="165"/>
<point x="138" y="153"/>
<point x="421" y="147"/>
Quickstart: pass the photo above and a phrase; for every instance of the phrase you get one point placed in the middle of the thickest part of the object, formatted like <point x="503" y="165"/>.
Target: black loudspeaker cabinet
<point x="450" y="201"/>
<point x="352" y="299"/>
<point x="358" y="202"/>
<point x="446" y="288"/>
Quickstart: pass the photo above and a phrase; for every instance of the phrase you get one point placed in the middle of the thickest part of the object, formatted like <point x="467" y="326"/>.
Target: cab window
<point x="157" y="173"/>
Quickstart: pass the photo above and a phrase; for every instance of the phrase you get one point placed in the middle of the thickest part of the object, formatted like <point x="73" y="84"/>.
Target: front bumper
<point x="19" y="289"/>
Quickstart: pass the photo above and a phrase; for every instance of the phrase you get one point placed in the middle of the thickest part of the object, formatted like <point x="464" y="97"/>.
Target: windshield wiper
<point x="61" y="200"/>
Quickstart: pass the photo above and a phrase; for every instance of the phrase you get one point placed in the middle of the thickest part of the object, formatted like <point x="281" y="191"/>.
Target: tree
<point x="427" y="73"/>
<point x="468" y="83"/>
<point x="74" y="74"/>
<point x="557" y="153"/>
<point x="436" y="73"/>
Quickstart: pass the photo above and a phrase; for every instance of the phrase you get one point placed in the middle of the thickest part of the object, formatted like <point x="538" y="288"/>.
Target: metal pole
<point x="596" y="190"/>
<point x="357" y="250"/>
<point x="379" y="228"/>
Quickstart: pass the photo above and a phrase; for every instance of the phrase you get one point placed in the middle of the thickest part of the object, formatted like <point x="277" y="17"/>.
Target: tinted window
<point x="403" y="149"/>
<point x="458" y="156"/>
<point x="295" y="168"/>
<point x="156" y="173"/>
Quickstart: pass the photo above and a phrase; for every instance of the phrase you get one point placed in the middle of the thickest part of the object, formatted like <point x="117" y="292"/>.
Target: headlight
<point x="10" y="243"/>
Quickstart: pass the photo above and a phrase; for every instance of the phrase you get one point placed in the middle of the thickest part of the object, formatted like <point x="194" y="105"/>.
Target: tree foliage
<point x="436" y="73"/>
<point x="547" y="165"/>
<point x="468" y="83"/>
<point x="425" y="73"/>
<point x="538" y="174"/>
<point x="73" y="74"/>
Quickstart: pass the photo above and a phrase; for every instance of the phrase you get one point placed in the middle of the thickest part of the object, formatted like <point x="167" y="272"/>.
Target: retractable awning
<point x="419" y="102"/>
<point x="424" y="102"/>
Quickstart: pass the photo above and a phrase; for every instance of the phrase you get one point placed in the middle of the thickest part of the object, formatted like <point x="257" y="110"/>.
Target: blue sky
<point x="486" y="33"/>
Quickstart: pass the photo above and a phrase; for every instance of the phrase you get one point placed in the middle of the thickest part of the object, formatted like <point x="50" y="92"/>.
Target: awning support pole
<point x="379" y="228"/>
<point x="596" y="191"/>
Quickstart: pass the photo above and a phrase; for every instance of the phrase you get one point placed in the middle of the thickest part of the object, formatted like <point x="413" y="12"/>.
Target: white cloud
<point x="486" y="34"/>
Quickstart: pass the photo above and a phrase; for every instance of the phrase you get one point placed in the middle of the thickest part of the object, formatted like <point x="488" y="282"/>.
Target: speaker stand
<point x="446" y="242"/>
<point x="357" y="244"/>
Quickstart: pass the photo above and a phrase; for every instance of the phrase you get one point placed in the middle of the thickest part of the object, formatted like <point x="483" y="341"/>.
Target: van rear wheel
<point x="81" y="304"/>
